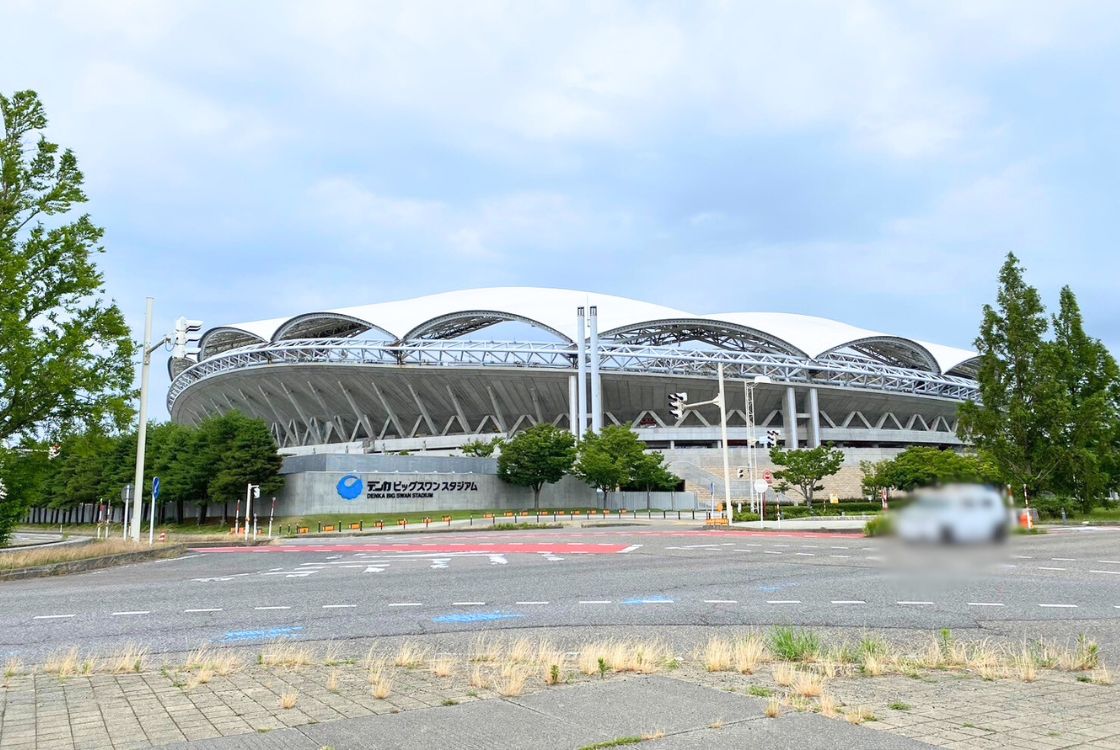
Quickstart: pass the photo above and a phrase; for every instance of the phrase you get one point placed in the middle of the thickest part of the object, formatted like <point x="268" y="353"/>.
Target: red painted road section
<point x="571" y="548"/>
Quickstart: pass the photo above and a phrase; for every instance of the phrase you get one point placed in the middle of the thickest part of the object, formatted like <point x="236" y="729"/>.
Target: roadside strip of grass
<point x="41" y="558"/>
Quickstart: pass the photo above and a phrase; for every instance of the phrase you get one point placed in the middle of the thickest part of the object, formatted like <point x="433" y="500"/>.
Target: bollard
<point x="320" y="529"/>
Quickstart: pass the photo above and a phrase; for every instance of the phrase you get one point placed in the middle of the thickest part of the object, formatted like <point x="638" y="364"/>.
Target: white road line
<point x="783" y="601"/>
<point x="1109" y="562"/>
<point x="805" y="554"/>
<point x="834" y="547"/>
<point x="1060" y="606"/>
<point x="132" y="612"/>
<point x="467" y="604"/>
<point x="914" y="603"/>
<point x="595" y="601"/>
<point x="1064" y="559"/>
<point x="339" y="606"/>
<point x="1113" y="572"/>
<point x="839" y="555"/>
<point x="848" y="601"/>
<point x="405" y="604"/>
<point x="208" y="609"/>
<point x="1022" y="557"/>
<point x="985" y="604"/>
<point x="1043" y="567"/>
<point x="281" y="607"/>
<point x="721" y="601"/>
<point x="770" y="552"/>
<point x="51" y="617"/>
<point x="530" y="602"/>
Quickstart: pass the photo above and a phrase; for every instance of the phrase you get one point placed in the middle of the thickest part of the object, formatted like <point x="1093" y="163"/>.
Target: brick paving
<point x="948" y="709"/>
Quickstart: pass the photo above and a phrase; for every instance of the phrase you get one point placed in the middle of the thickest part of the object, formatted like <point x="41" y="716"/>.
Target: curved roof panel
<point x="555" y="309"/>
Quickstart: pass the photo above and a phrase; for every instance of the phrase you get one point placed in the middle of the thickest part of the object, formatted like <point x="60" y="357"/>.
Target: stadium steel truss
<point x="415" y="374"/>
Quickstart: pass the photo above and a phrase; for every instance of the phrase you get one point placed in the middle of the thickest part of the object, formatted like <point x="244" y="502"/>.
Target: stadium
<point x="431" y="373"/>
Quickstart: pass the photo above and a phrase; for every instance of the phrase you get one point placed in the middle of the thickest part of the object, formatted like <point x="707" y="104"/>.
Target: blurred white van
<point x="955" y="513"/>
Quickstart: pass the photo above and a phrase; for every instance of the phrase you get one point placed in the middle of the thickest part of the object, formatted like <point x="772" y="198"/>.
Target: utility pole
<point x="677" y="407"/>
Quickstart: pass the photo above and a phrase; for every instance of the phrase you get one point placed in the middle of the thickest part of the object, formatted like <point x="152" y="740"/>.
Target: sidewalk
<point x="683" y="715"/>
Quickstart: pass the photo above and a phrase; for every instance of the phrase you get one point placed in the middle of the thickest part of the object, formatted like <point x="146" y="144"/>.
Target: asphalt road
<point x="1056" y="585"/>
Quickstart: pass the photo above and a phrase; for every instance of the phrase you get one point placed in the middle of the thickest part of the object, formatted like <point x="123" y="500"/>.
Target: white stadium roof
<point x="452" y="313"/>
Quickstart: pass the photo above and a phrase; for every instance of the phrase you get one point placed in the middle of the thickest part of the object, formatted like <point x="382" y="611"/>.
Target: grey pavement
<point x="688" y="715"/>
<point x="1056" y="585"/>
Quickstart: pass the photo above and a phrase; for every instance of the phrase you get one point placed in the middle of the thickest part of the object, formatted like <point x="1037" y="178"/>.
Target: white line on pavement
<point x="1061" y="606"/>
<point x="1109" y="562"/>
<point x="721" y="601"/>
<point x="770" y="552"/>
<point x="405" y="604"/>
<point x="467" y="604"/>
<point x="531" y="602"/>
<point x="208" y="609"/>
<point x="595" y="601"/>
<point x="51" y="617"/>
<point x="915" y="603"/>
<point x="835" y="547"/>
<point x="339" y="606"/>
<point x="1113" y="572"/>
<point x="985" y="604"/>
<point x="1064" y="559"/>
<point x="783" y="601"/>
<point x="631" y="548"/>
<point x="132" y="612"/>
<point x="279" y="607"/>
<point x="1022" y="557"/>
<point x="848" y="601"/>
<point x="805" y="554"/>
<point x="839" y="555"/>
<point x="1043" y="567"/>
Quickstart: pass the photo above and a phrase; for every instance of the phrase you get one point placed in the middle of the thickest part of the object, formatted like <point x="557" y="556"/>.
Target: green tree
<point x="1022" y="410"/>
<point x="482" y="448"/>
<point x="540" y="455"/>
<point x="65" y="352"/>
<point x="805" y="468"/>
<point x="1090" y="382"/>
<point x="247" y="454"/>
<point x="923" y="466"/>
<point x="608" y="460"/>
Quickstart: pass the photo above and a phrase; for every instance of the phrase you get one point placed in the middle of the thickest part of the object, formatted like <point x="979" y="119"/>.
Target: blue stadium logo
<point x="349" y="487"/>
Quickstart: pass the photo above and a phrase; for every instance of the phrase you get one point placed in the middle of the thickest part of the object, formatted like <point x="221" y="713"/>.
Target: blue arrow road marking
<point x="236" y="636"/>
<point x="478" y="617"/>
<point x="776" y="587"/>
<point x="649" y="600"/>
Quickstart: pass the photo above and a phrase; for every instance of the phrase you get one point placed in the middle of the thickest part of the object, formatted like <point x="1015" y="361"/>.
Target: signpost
<point x="152" y="512"/>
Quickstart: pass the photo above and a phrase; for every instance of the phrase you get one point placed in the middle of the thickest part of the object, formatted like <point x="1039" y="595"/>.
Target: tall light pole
<point x="748" y="396"/>
<point x="678" y="405"/>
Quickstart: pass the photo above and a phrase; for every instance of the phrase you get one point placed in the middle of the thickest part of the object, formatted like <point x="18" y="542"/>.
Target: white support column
<point x="596" y="381"/>
<point x="581" y="369"/>
<point x="572" y="406"/>
<point x="789" y="417"/>
<point x="814" y="420"/>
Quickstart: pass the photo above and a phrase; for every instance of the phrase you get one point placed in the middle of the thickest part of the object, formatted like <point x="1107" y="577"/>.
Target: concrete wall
<point x="653" y="500"/>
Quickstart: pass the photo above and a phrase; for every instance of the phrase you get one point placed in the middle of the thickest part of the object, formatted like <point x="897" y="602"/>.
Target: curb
<point x="93" y="563"/>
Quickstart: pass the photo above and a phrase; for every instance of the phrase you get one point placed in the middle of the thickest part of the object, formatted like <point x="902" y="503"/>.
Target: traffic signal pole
<point x="142" y="426"/>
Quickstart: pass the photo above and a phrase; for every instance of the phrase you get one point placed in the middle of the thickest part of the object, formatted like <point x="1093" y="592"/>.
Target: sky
<point x="867" y="162"/>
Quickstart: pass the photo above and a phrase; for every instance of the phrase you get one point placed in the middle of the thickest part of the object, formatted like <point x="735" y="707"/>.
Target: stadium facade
<point x="431" y="373"/>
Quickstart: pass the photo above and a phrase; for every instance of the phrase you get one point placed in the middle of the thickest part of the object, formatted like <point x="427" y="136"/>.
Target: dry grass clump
<point x="332" y="656"/>
<point x="784" y="674"/>
<point x="773" y="708"/>
<point x="484" y="648"/>
<point x="830" y="707"/>
<point x="656" y="734"/>
<point x="130" y="658"/>
<point x="511" y="680"/>
<point x="1101" y="676"/>
<point x="807" y="684"/>
<point x="872" y="665"/>
<point x="478" y="678"/>
<point x="12" y="667"/>
<point x="201" y="677"/>
<point x="716" y="654"/>
<point x="986" y="660"/>
<point x="284" y="654"/>
<point x="67" y="553"/>
<point x="748" y="652"/>
<point x="288" y="700"/>
<point x="643" y="657"/>
<point x="222" y="662"/>
<point x="1024" y="665"/>
<point x="63" y="663"/>
<point x="380" y="684"/>
<point x="521" y="651"/>
<point x="859" y="715"/>
<point x="443" y="666"/>
<point x="332" y="681"/>
<point x="410" y="655"/>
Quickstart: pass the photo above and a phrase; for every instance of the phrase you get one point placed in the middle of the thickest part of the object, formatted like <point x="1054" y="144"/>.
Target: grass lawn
<point x="66" y="553"/>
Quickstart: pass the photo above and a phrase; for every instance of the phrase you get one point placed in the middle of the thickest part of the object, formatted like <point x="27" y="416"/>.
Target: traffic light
<point x="53" y="451"/>
<point x="772" y="437"/>
<point x="256" y="491"/>
<point x="187" y="333"/>
<point x="740" y="473"/>
<point x="676" y="404"/>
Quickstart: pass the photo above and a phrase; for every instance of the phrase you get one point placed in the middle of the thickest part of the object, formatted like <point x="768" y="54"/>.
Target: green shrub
<point x="746" y="516"/>
<point x="794" y="645"/>
<point x="880" y="526"/>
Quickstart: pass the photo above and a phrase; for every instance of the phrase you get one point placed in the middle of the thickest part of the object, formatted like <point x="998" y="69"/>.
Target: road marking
<point x="915" y="603"/>
<point x="208" y="609"/>
<point x="405" y="604"/>
<point x="839" y="555"/>
<point x="834" y="547"/>
<point x="339" y="606"/>
<point x="1043" y="567"/>
<point x="1112" y="572"/>
<point x="848" y="601"/>
<point x="467" y="604"/>
<point x="783" y="601"/>
<point x="770" y="552"/>
<point x="721" y="601"/>
<point x="631" y="548"/>
<point x="531" y="602"/>
<point x="132" y="612"/>
<point x="985" y="604"/>
<point x="1109" y="562"/>
<point x="1061" y="606"/>
<point x="1022" y="557"/>
<point x="648" y="601"/>
<point x="51" y="617"/>
<point x="805" y="554"/>
<point x="1064" y="559"/>
<point x="279" y="607"/>
<point x="595" y="601"/>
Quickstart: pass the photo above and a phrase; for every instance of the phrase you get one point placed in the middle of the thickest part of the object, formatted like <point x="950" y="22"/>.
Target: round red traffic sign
<point x="768" y="476"/>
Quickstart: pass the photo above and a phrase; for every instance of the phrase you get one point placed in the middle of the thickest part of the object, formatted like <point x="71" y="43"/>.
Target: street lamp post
<point x="748" y="396"/>
<point x="678" y="405"/>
